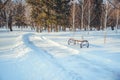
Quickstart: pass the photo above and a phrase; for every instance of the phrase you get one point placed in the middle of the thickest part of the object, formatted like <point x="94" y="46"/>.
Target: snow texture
<point x="26" y="55"/>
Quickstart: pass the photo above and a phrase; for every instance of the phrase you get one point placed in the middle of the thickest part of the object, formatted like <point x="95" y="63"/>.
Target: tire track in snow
<point x="55" y="49"/>
<point x="52" y="48"/>
<point x="49" y="60"/>
<point x="105" y="65"/>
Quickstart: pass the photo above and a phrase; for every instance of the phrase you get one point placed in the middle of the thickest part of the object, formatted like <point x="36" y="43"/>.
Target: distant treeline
<point x="59" y="15"/>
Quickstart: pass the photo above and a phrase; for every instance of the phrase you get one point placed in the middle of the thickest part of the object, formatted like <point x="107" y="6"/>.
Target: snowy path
<point x="38" y="57"/>
<point x="35" y="65"/>
<point x="56" y="49"/>
<point x="70" y="59"/>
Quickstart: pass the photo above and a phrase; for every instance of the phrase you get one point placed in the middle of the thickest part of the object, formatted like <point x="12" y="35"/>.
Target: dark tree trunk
<point x="10" y="27"/>
<point x="112" y="27"/>
<point x="10" y="23"/>
<point x="98" y="13"/>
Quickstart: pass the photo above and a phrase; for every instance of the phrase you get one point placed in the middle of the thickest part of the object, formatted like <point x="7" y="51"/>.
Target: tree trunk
<point x="73" y="15"/>
<point x="112" y="27"/>
<point x="49" y="29"/>
<point x="82" y="15"/>
<point x="117" y="18"/>
<point x="10" y="23"/>
<point x="10" y="27"/>
<point x="89" y="16"/>
<point x="105" y="22"/>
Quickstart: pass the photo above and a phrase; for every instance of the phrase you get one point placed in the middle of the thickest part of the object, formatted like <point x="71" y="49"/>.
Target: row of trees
<point x="96" y="14"/>
<point x="50" y="14"/>
<point x="12" y="12"/>
<point x="84" y="15"/>
<point x="57" y="15"/>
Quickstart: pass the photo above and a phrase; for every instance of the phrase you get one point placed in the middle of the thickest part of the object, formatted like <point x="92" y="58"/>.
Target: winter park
<point x="59" y="39"/>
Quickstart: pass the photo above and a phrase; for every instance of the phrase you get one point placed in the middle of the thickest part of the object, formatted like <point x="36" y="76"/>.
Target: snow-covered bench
<point x="83" y="43"/>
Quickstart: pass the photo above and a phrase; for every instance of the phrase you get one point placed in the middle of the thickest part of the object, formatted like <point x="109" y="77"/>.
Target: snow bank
<point x="16" y="48"/>
<point x="45" y="56"/>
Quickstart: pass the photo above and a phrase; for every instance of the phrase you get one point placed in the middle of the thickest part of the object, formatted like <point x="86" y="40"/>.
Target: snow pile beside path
<point x="50" y="59"/>
<point x="17" y="49"/>
<point x="99" y="62"/>
<point x="61" y="46"/>
<point x="59" y="50"/>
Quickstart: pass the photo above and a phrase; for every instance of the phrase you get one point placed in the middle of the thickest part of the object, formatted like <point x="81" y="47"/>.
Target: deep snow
<point x="26" y="55"/>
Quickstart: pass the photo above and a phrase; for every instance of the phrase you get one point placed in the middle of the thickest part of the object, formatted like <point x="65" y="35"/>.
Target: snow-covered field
<point x="27" y="55"/>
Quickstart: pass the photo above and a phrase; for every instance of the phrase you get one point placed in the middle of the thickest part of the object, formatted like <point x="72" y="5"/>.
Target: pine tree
<point x="50" y="13"/>
<point x="62" y="10"/>
<point x="98" y="13"/>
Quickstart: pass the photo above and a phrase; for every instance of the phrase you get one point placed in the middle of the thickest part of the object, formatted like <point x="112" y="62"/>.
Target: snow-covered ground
<point x="26" y="55"/>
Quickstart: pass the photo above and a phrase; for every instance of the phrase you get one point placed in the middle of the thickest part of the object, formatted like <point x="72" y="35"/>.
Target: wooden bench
<point x="83" y="43"/>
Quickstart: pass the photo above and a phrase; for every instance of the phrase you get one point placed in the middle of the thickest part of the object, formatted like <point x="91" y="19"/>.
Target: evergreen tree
<point x="50" y="13"/>
<point x="98" y="13"/>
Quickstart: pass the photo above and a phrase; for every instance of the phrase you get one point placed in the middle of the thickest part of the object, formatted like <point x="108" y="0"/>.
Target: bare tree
<point x="3" y="3"/>
<point x="113" y="14"/>
<point x="9" y="10"/>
